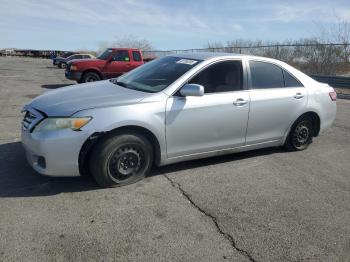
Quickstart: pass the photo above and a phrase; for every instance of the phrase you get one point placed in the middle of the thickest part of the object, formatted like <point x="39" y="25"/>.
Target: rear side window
<point x="290" y="81"/>
<point x="265" y="75"/>
<point x="122" y="56"/>
<point x="136" y="56"/>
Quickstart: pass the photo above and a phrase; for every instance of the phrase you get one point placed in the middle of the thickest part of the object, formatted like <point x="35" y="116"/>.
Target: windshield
<point x="105" y="54"/>
<point x="70" y="57"/>
<point x="156" y="75"/>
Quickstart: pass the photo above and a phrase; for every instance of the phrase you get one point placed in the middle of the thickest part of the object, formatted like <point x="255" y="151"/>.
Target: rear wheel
<point x="300" y="136"/>
<point x="120" y="160"/>
<point x="90" y="77"/>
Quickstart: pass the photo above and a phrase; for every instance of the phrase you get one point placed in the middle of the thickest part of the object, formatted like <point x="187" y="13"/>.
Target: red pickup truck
<point x="113" y="62"/>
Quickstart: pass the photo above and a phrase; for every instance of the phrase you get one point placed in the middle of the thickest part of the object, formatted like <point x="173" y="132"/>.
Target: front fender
<point x="150" y="116"/>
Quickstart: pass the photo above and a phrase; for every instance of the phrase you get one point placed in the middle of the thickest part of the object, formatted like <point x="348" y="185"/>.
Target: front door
<point x="119" y="64"/>
<point x="215" y="121"/>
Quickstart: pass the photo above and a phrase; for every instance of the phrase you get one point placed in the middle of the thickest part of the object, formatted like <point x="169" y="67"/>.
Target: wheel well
<point x="316" y="122"/>
<point x="98" y="136"/>
<point x="91" y="71"/>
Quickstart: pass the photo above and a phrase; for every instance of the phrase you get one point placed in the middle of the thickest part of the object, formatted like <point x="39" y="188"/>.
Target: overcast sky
<point x="167" y="24"/>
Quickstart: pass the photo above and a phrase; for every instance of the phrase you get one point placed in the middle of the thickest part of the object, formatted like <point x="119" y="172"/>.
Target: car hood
<point x="68" y="100"/>
<point x="59" y="58"/>
<point x="79" y="60"/>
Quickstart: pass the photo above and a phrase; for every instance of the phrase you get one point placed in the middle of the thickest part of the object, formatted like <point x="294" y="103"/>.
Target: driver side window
<point x="221" y="77"/>
<point x="121" y="56"/>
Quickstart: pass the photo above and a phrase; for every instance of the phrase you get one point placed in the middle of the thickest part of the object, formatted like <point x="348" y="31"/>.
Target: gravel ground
<point x="264" y="205"/>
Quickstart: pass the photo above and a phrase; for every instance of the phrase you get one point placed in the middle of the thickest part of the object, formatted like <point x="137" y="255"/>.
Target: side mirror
<point x="192" y="90"/>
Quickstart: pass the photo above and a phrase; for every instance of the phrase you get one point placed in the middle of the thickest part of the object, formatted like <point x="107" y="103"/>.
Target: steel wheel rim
<point x="126" y="162"/>
<point x="301" y="136"/>
<point x="90" y="79"/>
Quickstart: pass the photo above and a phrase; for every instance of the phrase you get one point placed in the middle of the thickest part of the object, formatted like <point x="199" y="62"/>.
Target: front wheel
<point x="300" y="136"/>
<point x="121" y="159"/>
<point x="90" y="77"/>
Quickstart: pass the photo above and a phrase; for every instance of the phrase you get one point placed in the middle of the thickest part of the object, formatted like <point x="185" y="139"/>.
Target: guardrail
<point x="333" y="81"/>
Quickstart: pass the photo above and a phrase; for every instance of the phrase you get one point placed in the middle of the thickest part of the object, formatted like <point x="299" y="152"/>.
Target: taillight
<point x="333" y="95"/>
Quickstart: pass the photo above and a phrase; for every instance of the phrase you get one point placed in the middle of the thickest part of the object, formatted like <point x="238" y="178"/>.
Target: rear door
<point x="136" y="59"/>
<point x="277" y="99"/>
<point x="119" y="64"/>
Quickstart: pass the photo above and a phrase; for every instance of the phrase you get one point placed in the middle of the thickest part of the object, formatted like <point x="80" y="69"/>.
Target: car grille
<point x="27" y="120"/>
<point x="30" y="119"/>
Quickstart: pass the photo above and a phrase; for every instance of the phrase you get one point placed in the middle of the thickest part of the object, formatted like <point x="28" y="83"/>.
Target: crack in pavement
<point x="213" y="218"/>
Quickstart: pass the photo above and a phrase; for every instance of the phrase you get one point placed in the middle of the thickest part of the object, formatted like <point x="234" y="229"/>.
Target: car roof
<point x="210" y="55"/>
<point x="123" y="48"/>
<point x="204" y="55"/>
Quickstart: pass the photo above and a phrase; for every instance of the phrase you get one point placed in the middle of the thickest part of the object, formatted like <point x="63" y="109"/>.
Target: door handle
<point x="240" y="102"/>
<point x="298" y="96"/>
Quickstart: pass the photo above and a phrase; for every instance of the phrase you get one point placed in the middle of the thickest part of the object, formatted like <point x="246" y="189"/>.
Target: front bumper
<point x="54" y="153"/>
<point x="72" y="75"/>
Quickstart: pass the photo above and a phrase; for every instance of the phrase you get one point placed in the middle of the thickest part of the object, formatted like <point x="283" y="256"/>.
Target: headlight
<point x="53" y="123"/>
<point x="73" y="68"/>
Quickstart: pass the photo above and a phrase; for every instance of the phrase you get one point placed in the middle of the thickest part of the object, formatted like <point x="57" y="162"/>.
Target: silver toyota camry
<point x="176" y="108"/>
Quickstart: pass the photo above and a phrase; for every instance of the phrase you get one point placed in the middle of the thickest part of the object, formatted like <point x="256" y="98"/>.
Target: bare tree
<point x="133" y="42"/>
<point x="103" y="46"/>
<point x="341" y="35"/>
<point x="215" y="46"/>
<point x="128" y="42"/>
<point x="311" y="55"/>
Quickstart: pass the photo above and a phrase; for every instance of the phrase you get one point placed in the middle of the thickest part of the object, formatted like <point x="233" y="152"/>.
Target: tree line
<point x="326" y="54"/>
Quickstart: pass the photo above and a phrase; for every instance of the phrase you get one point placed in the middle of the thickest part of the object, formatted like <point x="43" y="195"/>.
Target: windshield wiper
<point x="121" y="84"/>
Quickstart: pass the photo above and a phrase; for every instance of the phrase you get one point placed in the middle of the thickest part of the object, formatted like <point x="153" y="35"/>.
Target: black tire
<point x="121" y="159"/>
<point x="300" y="135"/>
<point x="90" y="77"/>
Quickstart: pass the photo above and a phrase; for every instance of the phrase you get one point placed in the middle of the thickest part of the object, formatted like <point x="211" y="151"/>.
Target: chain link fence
<point x="318" y="59"/>
<point x="309" y="56"/>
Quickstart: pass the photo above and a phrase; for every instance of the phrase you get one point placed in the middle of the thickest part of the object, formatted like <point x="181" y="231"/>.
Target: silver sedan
<point x="176" y="108"/>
